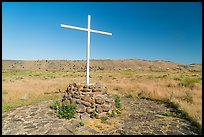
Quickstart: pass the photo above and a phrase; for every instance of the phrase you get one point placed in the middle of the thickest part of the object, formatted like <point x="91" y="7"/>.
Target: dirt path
<point x="139" y="116"/>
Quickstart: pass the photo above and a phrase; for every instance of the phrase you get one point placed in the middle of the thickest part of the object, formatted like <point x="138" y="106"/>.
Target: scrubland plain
<point x="29" y="82"/>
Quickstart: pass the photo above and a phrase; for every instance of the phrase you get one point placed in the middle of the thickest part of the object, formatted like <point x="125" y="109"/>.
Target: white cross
<point x="88" y="42"/>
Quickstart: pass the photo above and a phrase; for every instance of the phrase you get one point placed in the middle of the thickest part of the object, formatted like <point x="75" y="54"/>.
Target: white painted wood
<point x="84" y="29"/>
<point x="73" y="27"/>
<point x="101" y="32"/>
<point x="88" y="50"/>
<point x="89" y="30"/>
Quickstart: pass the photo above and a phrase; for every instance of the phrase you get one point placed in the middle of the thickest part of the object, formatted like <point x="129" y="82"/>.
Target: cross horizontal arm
<point x="101" y="32"/>
<point x="84" y="29"/>
<point x="73" y="27"/>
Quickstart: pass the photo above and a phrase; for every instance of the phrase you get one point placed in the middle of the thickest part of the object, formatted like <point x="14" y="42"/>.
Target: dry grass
<point x="158" y="86"/>
<point x="19" y="88"/>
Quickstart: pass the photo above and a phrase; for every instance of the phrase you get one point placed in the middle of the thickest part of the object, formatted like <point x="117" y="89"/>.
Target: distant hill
<point x="80" y="65"/>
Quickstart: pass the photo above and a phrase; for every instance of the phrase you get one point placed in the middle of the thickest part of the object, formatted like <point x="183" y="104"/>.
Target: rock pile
<point x="91" y="100"/>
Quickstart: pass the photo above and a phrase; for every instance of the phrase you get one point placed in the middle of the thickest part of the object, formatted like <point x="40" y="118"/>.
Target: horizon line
<point x="96" y="60"/>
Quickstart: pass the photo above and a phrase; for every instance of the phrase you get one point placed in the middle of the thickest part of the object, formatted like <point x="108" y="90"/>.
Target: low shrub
<point x="93" y="114"/>
<point x="118" y="104"/>
<point x="80" y="124"/>
<point x="55" y="105"/>
<point x="177" y="79"/>
<point x="129" y="96"/>
<point x="189" y="82"/>
<point x="123" y="132"/>
<point x="66" y="111"/>
<point x="104" y="118"/>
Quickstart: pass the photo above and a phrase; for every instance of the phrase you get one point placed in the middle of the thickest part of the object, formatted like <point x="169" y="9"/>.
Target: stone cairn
<point x="91" y="100"/>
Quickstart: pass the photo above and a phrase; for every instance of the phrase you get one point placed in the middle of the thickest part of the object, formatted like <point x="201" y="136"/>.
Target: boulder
<point x="106" y="107"/>
<point x="99" y="109"/>
<point x="99" y="100"/>
<point x="77" y="96"/>
<point x="85" y="90"/>
<point x="84" y="116"/>
<point x="89" y="110"/>
<point x="87" y="104"/>
<point x="73" y="100"/>
<point x="96" y="90"/>
<point x="81" y="108"/>
<point x="86" y="99"/>
<point x="78" y="101"/>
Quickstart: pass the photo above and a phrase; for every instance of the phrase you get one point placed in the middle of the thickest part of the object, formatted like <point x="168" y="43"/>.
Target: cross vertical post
<point x="88" y="51"/>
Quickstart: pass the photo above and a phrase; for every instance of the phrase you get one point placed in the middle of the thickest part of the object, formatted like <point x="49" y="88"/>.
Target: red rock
<point x="85" y="86"/>
<point x="91" y="87"/>
<point x="77" y="96"/>
<point x="81" y="108"/>
<point x="89" y="90"/>
<point x="74" y="84"/>
<point x="72" y="87"/>
<point x="84" y="116"/>
<point x="87" y="99"/>
<point x="99" y="109"/>
<point x="97" y="94"/>
<point x="84" y="90"/>
<point x="99" y="100"/>
<point x="109" y="100"/>
<point x="103" y="114"/>
<point x="78" y="101"/>
<point x="106" y="108"/>
<point x="68" y="97"/>
<point x="96" y="90"/>
<point x="73" y="100"/>
<point x="87" y="104"/>
<point x="89" y="110"/>
<point x="75" y="89"/>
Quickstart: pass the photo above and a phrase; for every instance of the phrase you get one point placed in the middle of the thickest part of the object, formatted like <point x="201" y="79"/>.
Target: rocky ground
<point x="139" y="116"/>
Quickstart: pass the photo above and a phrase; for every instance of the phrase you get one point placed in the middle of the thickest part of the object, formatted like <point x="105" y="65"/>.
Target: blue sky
<point x="170" y="31"/>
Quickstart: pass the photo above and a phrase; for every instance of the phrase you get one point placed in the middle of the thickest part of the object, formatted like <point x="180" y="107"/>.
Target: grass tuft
<point x="129" y="96"/>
